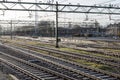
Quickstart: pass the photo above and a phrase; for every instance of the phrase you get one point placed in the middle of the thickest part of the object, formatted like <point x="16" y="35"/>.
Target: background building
<point x="70" y="29"/>
<point x="113" y="30"/>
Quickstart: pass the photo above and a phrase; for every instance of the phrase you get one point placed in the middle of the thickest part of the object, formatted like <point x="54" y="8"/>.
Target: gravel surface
<point x="3" y="76"/>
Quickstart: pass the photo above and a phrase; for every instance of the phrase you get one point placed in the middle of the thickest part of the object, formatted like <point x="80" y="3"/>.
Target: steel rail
<point x="110" y="62"/>
<point x="37" y="67"/>
<point x="100" y="71"/>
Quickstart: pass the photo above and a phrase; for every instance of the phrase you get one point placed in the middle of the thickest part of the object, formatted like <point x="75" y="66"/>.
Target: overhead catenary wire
<point x="109" y="1"/>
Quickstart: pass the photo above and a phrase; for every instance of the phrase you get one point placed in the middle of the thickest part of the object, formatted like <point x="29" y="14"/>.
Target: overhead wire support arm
<point x="67" y="8"/>
<point x="94" y="9"/>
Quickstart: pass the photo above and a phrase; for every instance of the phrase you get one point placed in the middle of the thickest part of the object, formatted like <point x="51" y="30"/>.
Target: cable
<point x="105" y="2"/>
<point x="62" y="1"/>
<point x="117" y="3"/>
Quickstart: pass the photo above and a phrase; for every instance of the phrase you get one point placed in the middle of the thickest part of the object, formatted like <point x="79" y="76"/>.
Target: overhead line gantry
<point x="50" y="7"/>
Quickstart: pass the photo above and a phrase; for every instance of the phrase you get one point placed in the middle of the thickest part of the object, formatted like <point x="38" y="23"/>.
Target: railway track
<point x="23" y="74"/>
<point x="16" y="71"/>
<point x="57" y="68"/>
<point x="94" y="50"/>
<point x="77" y="71"/>
<point x="32" y="71"/>
<point x="101" y="47"/>
<point x="99" y="51"/>
<point x="100" y="60"/>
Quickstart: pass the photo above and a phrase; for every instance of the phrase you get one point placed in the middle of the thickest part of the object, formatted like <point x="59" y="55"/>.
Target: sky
<point x="64" y="17"/>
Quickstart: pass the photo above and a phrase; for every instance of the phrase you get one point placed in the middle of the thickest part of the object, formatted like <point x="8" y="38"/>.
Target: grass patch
<point x="45" y="45"/>
<point x="113" y="50"/>
<point x="88" y="53"/>
<point x="79" y="61"/>
<point x="36" y="43"/>
<point x="73" y="50"/>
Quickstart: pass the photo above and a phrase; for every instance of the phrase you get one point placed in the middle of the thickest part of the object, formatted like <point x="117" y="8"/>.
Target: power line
<point x="62" y="1"/>
<point x="105" y="2"/>
<point x="68" y="8"/>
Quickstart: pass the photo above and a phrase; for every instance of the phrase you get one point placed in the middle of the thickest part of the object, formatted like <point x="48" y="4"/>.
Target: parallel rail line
<point x="32" y="70"/>
<point x="110" y="62"/>
<point x="106" y="61"/>
<point x="75" y="75"/>
<point x="32" y="76"/>
<point x="104" y="52"/>
<point x="84" y="71"/>
<point x="114" y="54"/>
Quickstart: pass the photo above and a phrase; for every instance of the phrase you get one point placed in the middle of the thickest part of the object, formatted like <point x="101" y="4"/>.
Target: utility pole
<point x="56" y="29"/>
<point x="36" y="19"/>
<point x="11" y="30"/>
<point x="97" y="27"/>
